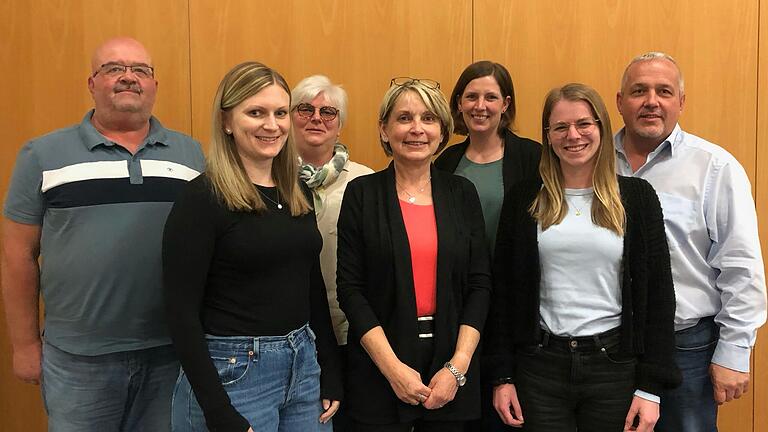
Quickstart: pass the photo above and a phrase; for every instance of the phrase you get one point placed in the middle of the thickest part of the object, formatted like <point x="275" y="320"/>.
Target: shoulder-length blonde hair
<point x="433" y="100"/>
<point x="225" y="168"/>
<point x="550" y="205"/>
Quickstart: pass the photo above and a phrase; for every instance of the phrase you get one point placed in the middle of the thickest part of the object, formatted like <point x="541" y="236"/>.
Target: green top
<point x="488" y="180"/>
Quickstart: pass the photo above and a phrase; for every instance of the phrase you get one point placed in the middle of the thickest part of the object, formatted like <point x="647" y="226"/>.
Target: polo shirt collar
<point x="92" y="137"/>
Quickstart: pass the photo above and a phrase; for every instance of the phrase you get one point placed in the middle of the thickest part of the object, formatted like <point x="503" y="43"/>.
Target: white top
<point x="711" y="225"/>
<point x="580" y="272"/>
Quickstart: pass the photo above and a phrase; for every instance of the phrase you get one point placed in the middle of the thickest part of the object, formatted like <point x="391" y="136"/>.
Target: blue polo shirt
<point x="102" y="212"/>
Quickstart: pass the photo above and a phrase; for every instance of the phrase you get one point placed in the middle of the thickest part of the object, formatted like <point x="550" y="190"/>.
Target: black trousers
<point x="570" y="384"/>
<point x="426" y="350"/>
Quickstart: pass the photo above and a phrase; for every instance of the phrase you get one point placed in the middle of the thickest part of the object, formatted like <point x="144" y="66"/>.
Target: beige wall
<point x="45" y="49"/>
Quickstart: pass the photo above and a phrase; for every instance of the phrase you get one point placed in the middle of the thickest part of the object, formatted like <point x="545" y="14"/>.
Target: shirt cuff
<point x="731" y="356"/>
<point x="647" y="396"/>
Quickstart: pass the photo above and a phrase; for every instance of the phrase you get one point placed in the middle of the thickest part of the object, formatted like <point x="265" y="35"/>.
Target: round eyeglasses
<point x="584" y="127"/>
<point x="306" y="111"/>
<point x="401" y="81"/>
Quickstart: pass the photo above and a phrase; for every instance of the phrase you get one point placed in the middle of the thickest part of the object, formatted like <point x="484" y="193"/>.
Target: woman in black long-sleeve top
<point x="243" y="288"/>
<point x="416" y="296"/>
<point x="580" y="334"/>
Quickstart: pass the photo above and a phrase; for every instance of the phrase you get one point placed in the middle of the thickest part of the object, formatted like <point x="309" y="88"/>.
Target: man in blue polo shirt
<point x="91" y="201"/>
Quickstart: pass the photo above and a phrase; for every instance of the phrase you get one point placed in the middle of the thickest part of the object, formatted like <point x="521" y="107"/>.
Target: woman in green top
<point x="492" y="156"/>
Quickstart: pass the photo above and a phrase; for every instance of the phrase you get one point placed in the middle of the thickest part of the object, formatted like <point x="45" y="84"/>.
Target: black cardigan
<point x="648" y="297"/>
<point x="375" y="287"/>
<point x="521" y="158"/>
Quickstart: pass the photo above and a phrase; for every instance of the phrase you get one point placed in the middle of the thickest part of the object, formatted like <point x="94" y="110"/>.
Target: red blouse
<point x="422" y="237"/>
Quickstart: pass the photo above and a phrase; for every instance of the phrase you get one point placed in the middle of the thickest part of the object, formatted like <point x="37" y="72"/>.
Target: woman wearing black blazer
<point x="413" y="276"/>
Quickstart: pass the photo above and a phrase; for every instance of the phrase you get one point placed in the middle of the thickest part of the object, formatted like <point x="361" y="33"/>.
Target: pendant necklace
<point x="411" y="197"/>
<point x="277" y="193"/>
<point x="577" y="209"/>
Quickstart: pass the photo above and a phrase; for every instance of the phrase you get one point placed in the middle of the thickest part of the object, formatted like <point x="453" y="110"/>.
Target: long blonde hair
<point x="550" y="206"/>
<point x="225" y="168"/>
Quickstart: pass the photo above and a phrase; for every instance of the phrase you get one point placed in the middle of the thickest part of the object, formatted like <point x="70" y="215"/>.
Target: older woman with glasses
<point x="413" y="276"/>
<point x="319" y="111"/>
<point x="581" y="335"/>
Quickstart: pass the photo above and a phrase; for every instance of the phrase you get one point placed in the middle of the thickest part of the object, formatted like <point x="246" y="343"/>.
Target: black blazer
<point x="375" y="287"/>
<point x="648" y="296"/>
<point x="520" y="161"/>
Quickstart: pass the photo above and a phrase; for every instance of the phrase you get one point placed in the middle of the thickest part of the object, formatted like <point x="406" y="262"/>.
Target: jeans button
<point x="574" y="344"/>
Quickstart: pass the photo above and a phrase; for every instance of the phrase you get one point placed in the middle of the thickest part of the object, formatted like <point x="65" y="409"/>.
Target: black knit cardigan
<point x="648" y="298"/>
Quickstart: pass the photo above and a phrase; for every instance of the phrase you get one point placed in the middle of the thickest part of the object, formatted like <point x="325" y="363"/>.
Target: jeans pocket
<point x="696" y="346"/>
<point x="232" y="369"/>
<point x="615" y="356"/>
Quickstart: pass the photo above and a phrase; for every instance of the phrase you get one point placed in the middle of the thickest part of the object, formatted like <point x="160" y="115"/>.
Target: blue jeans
<point x="274" y="383"/>
<point x="692" y="407"/>
<point x="570" y="384"/>
<point x="123" y="391"/>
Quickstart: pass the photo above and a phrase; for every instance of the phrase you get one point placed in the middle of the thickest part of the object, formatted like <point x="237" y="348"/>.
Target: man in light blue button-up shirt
<point x="711" y="225"/>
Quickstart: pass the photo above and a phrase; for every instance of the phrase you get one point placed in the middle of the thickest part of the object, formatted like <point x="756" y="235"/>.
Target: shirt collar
<point x="672" y="141"/>
<point x="92" y="137"/>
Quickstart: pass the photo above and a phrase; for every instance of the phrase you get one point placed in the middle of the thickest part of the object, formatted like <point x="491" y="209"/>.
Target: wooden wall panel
<point x="361" y="45"/>
<point x="45" y="50"/>
<point x="760" y="355"/>
<point x="546" y="44"/>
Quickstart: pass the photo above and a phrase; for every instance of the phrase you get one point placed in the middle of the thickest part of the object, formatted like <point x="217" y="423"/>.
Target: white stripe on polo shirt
<point x="161" y="168"/>
<point x="84" y="171"/>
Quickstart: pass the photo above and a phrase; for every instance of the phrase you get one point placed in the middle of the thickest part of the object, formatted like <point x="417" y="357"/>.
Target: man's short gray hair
<point x="649" y="56"/>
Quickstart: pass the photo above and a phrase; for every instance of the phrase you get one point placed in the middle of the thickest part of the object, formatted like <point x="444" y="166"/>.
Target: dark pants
<point x="341" y="421"/>
<point x="415" y="426"/>
<point x="569" y="384"/>
<point x="691" y="407"/>
<point x="426" y="351"/>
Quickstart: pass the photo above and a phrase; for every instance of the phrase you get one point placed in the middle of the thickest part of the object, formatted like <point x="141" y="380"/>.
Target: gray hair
<point x="650" y="56"/>
<point x="311" y="86"/>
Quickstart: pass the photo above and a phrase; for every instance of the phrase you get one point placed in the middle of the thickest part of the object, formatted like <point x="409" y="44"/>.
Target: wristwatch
<point x="460" y="378"/>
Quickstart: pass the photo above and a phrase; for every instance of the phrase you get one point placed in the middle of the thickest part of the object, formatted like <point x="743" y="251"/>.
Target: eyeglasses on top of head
<point x="401" y="81"/>
<point x="307" y="110"/>
<point x="583" y="126"/>
<point x="113" y="70"/>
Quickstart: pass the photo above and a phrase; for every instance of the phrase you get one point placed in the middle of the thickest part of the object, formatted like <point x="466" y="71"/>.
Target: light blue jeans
<point x="123" y="391"/>
<point x="274" y="383"/>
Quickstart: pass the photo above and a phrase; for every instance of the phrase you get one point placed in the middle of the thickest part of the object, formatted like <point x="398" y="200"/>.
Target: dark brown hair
<point x="481" y="69"/>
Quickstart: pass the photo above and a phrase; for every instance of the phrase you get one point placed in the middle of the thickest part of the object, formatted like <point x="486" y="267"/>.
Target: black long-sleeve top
<point x="648" y="297"/>
<point x="230" y="273"/>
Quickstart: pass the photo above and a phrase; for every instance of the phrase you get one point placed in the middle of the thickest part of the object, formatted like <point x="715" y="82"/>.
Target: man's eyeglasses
<point x="306" y="111"/>
<point x="584" y="127"/>
<point x="114" y="70"/>
<point x="401" y="81"/>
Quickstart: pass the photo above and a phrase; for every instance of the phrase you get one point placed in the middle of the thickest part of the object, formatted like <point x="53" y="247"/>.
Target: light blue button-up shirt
<point x="711" y="224"/>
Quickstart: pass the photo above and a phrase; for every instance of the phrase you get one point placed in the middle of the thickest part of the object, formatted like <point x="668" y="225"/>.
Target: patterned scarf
<point x="319" y="178"/>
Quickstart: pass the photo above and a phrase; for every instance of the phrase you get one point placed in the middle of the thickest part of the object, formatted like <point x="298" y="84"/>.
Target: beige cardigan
<point x="327" y="217"/>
